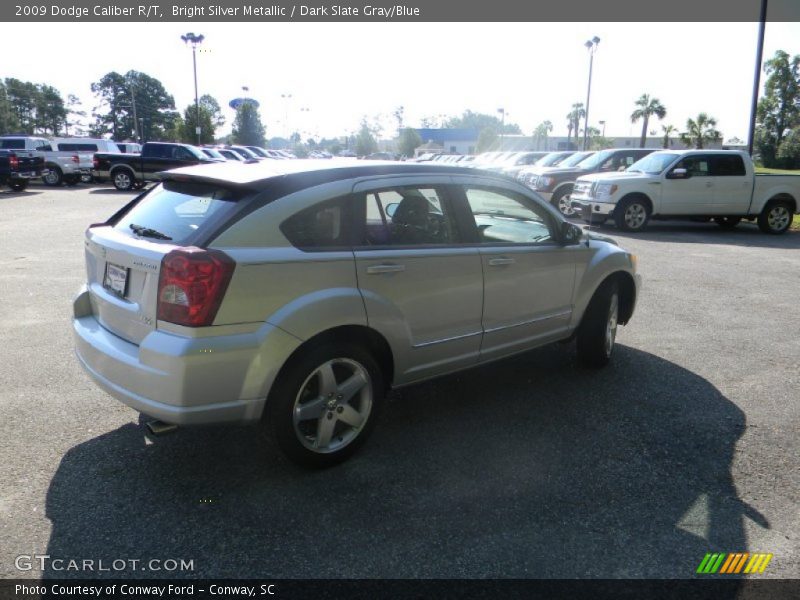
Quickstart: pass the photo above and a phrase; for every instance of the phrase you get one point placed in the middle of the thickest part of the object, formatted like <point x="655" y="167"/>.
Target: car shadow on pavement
<point x="685" y="232"/>
<point x="113" y="191"/>
<point x="530" y="467"/>
<point x="12" y="194"/>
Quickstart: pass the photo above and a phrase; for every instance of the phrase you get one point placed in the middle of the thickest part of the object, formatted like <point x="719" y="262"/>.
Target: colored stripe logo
<point x="734" y="563"/>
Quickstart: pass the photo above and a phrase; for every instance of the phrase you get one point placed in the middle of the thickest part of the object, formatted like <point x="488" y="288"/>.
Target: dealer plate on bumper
<point x="116" y="279"/>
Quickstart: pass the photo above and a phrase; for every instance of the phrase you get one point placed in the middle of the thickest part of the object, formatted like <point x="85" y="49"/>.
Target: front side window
<point x="505" y="217"/>
<point x="408" y="216"/>
<point x="698" y="165"/>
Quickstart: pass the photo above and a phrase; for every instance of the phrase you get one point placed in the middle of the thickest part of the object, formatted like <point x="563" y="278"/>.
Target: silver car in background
<point x="295" y="293"/>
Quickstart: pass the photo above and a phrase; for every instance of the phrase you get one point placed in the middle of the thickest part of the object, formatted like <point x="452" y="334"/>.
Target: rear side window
<point x="324" y="226"/>
<point x="12" y="144"/>
<point x="727" y="166"/>
<point x="179" y="210"/>
<point x="78" y="147"/>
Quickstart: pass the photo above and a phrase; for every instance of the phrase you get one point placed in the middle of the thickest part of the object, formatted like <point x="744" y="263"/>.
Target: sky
<point x="321" y="79"/>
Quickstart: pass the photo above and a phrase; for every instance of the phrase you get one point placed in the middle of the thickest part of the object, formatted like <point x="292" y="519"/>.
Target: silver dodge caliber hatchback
<point x="295" y="293"/>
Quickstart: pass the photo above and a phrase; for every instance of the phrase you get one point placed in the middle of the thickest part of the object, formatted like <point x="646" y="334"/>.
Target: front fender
<point x="606" y="260"/>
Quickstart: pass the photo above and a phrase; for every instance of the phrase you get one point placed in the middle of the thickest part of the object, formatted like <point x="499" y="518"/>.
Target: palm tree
<point x="541" y="131"/>
<point x="647" y="107"/>
<point x="577" y="113"/>
<point x="668" y="131"/>
<point x="701" y="131"/>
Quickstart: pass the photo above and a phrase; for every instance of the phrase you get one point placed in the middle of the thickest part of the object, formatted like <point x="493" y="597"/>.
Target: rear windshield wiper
<point x="148" y="232"/>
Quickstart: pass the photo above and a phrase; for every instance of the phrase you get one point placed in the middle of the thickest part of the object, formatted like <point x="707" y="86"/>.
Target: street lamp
<point x="591" y="46"/>
<point x="195" y="40"/>
<point x="287" y="98"/>
<point x="502" y="112"/>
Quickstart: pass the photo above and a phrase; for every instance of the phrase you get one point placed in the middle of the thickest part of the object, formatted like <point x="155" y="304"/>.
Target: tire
<point x="312" y="419"/>
<point x="123" y="180"/>
<point x="776" y="217"/>
<point x="561" y="201"/>
<point x="598" y="329"/>
<point x="86" y="178"/>
<point x="727" y="222"/>
<point x="18" y="185"/>
<point x="54" y="177"/>
<point x="632" y="214"/>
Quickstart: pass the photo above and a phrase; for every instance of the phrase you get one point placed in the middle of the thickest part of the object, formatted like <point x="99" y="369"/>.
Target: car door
<point x="692" y="194"/>
<point x="422" y="285"/>
<point x="733" y="187"/>
<point x="529" y="277"/>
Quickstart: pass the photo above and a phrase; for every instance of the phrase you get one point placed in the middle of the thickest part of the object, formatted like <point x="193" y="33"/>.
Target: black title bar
<point x="396" y="10"/>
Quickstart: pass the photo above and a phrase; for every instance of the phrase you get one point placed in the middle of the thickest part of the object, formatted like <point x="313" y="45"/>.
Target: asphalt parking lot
<point x="532" y="467"/>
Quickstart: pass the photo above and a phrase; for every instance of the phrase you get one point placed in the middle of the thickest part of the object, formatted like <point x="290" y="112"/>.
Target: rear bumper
<point x="180" y="380"/>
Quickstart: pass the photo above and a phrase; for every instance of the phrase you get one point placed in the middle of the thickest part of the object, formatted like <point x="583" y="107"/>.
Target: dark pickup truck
<point x="132" y="171"/>
<point x="18" y="168"/>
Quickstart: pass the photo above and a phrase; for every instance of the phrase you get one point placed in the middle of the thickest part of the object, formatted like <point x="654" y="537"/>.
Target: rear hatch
<point x="124" y="257"/>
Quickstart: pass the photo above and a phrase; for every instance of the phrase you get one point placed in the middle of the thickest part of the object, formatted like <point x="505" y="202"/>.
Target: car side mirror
<point x="392" y="208"/>
<point x="678" y="174"/>
<point x="570" y="233"/>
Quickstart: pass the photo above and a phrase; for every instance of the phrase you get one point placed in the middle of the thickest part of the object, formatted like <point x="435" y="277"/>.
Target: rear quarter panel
<point x="769" y="186"/>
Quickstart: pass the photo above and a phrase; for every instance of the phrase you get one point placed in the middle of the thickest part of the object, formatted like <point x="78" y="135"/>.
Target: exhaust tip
<point x="160" y="428"/>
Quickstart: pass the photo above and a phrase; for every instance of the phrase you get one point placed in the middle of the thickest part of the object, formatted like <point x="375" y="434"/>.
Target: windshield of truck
<point x="595" y="160"/>
<point x="653" y="164"/>
<point x="552" y="159"/>
<point x="575" y="159"/>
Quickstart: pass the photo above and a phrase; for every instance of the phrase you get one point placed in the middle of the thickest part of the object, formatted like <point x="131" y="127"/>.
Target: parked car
<point x="231" y="155"/>
<point x="130" y="171"/>
<point x="59" y="166"/>
<point x="246" y="152"/>
<point x="213" y="153"/>
<point x="555" y="183"/>
<point x="512" y="165"/>
<point x="295" y="294"/>
<point x="18" y="167"/>
<point x="713" y="184"/>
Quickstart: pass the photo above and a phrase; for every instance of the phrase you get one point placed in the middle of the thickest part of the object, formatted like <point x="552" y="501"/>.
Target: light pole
<point x="287" y="98"/>
<point x="195" y="40"/>
<point x="502" y="112"/>
<point x="591" y="46"/>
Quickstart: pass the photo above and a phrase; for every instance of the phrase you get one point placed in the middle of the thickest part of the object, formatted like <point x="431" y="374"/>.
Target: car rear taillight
<point x="13" y="162"/>
<point x="95" y="163"/>
<point x="192" y="284"/>
<point x="75" y="159"/>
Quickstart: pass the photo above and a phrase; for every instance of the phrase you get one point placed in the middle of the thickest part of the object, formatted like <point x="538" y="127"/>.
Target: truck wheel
<point x="18" y="185"/>
<point x="54" y="177"/>
<point x="632" y="215"/>
<point x="123" y="180"/>
<point x="727" y="222"/>
<point x="86" y="178"/>
<point x="776" y="217"/>
<point x="598" y="329"/>
<point x="323" y="406"/>
<point x="561" y="200"/>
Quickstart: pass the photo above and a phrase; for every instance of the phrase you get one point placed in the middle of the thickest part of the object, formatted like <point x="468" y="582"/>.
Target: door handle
<point x="496" y="262"/>
<point x="376" y="269"/>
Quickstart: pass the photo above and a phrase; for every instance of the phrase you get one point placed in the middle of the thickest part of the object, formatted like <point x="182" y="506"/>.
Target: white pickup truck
<point x="679" y="184"/>
<point x="61" y="165"/>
